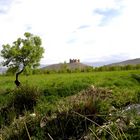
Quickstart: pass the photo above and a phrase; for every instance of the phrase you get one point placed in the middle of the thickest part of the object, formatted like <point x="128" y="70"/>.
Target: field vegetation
<point x="100" y="104"/>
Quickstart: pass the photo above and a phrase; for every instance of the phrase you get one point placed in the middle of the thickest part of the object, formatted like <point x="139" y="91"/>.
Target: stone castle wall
<point x="74" y="61"/>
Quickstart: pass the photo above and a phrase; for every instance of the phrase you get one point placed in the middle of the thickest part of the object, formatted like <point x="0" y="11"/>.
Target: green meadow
<point x="88" y="105"/>
<point x="108" y="79"/>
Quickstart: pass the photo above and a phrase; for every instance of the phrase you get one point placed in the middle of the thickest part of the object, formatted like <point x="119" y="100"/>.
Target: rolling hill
<point x="71" y="66"/>
<point x="126" y="62"/>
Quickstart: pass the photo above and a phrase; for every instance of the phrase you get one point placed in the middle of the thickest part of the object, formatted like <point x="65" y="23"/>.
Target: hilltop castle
<point x="74" y="61"/>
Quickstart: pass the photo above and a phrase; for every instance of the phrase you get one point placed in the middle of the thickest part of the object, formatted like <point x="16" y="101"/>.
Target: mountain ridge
<point x="126" y="62"/>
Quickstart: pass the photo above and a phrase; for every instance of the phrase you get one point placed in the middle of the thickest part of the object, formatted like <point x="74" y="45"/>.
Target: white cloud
<point x="71" y="28"/>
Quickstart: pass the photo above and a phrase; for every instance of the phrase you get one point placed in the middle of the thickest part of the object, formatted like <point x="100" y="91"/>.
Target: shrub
<point x="136" y="77"/>
<point x="16" y="102"/>
<point x="6" y="116"/>
<point x="27" y="127"/>
<point x="25" y="98"/>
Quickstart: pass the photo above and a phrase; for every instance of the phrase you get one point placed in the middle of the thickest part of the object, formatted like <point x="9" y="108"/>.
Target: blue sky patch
<point x="5" y="5"/>
<point x="28" y="27"/>
<point x="5" y="2"/>
<point x="108" y="15"/>
<point x="71" y="41"/>
<point x="84" y="26"/>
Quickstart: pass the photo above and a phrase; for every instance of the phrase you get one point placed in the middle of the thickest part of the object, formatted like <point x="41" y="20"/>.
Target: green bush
<point x="25" y="128"/>
<point x="25" y="98"/>
<point x="22" y="99"/>
<point x="136" y="77"/>
<point x="6" y="116"/>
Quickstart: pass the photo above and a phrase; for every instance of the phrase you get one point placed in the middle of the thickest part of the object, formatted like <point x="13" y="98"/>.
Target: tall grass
<point x="59" y="99"/>
<point x="119" y="79"/>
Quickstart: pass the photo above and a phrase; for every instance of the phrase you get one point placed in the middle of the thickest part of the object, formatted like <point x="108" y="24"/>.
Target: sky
<point x="89" y="30"/>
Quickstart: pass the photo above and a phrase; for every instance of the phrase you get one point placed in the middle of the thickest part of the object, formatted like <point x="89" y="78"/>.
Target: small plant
<point x="25" y="98"/>
<point x="24" y="128"/>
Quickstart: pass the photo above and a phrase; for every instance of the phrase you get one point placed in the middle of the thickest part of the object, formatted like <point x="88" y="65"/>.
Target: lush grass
<point x="123" y="84"/>
<point x="109" y="79"/>
<point x="43" y="93"/>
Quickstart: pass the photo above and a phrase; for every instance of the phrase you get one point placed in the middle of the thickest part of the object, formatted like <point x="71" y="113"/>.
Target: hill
<point x="71" y="66"/>
<point x="126" y="62"/>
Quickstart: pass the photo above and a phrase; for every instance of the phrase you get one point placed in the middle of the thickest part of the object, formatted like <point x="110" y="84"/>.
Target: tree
<point x="22" y="53"/>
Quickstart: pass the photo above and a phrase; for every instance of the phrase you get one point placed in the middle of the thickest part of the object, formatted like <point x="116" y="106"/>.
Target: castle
<point x="74" y="61"/>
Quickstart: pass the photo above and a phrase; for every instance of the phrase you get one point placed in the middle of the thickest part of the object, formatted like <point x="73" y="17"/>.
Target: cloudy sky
<point x="91" y="30"/>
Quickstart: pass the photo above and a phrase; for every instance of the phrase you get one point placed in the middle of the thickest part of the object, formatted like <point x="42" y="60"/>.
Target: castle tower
<point x="74" y="60"/>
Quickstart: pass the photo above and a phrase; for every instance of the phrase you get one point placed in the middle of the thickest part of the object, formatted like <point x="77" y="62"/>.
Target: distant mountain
<point x="2" y="70"/>
<point x="70" y="66"/>
<point x="113" y="62"/>
<point x="42" y="66"/>
<point x="126" y="62"/>
<point x="98" y="64"/>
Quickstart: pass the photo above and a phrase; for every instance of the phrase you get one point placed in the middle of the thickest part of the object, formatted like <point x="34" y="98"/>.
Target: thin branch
<point x="50" y="136"/>
<point x="96" y="124"/>
<point x="27" y="131"/>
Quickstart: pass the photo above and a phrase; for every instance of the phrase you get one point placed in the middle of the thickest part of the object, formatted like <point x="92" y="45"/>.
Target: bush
<point x="27" y="127"/>
<point x="136" y="77"/>
<point x="6" y="116"/>
<point x="25" y="98"/>
<point x="22" y="99"/>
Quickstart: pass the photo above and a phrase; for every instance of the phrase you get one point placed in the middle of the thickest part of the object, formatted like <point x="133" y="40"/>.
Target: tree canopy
<point x="22" y="53"/>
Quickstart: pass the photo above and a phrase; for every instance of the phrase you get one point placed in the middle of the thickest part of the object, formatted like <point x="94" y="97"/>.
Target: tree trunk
<point x="17" y="82"/>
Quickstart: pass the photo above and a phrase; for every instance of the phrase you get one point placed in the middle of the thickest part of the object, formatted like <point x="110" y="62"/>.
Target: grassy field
<point x="55" y="95"/>
<point x="97" y="78"/>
